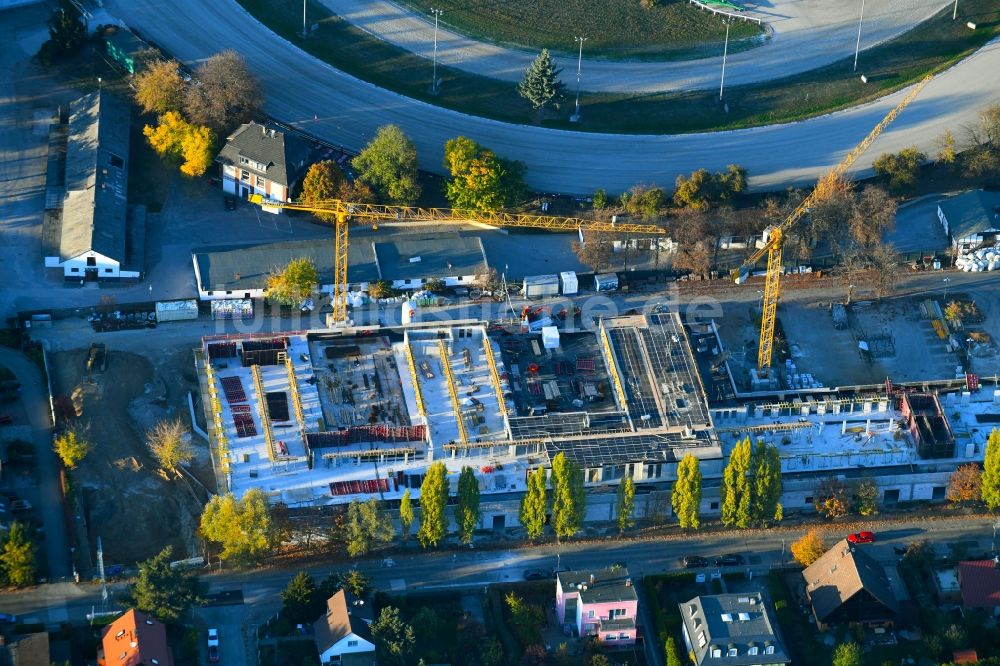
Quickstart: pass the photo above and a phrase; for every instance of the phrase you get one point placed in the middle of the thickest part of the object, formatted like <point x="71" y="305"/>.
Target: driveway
<point x="50" y="506"/>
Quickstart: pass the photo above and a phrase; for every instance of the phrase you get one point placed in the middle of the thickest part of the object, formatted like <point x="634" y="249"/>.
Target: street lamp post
<point x="305" y="32"/>
<point x="954" y="11"/>
<point x="857" y="46"/>
<point x="945" y="281"/>
<point x="725" y="53"/>
<point x="437" y="15"/>
<point x="579" y="62"/>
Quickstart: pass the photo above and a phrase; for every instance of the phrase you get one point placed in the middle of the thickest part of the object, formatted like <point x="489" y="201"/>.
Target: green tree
<point x="526" y="619"/>
<point x="847" y="654"/>
<point x="766" y="489"/>
<point x="643" y="200"/>
<point x="736" y="490"/>
<point x="541" y="83"/>
<point x="533" y="504"/>
<point x="902" y="169"/>
<point x="394" y="639"/>
<point x="600" y="199"/>
<point x="294" y="283"/>
<point x="163" y="591"/>
<point x="356" y="582"/>
<point x="365" y="526"/>
<point x="170" y="443"/>
<point x="626" y="504"/>
<point x="670" y="647"/>
<point x="159" y="87"/>
<point x="467" y="513"/>
<point x="301" y="601"/>
<point x="242" y="527"/>
<point x="405" y="514"/>
<point x="73" y="446"/>
<point x="990" y="478"/>
<point x="568" y="497"/>
<point x="225" y="93"/>
<point x="703" y="190"/>
<point x="685" y="499"/>
<point x="389" y="164"/>
<point x="864" y="500"/>
<point x="67" y="32"/>
<point x="17" y="556"/>
<point x="433" y="500"/>
<point x="479" y="180"/>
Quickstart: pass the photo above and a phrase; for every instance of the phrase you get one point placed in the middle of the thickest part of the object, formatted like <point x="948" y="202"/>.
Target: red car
<point x="861" y="537"/>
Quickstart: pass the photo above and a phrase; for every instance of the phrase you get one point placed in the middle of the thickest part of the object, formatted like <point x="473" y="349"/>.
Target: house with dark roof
<point x="342" y="635"/>
<point x="26" y="650"/>
<point x="135" y="639"/>
<point x="601" y="603"/>
<point x="971" y="219"/>
<point x="90" y="232"/>
<point x="847" y="585"/>
<point x="979" y="581"/>
<point x="265" y="160"/>
<point x="410" y="260"/>
<point x="732" y="629"/>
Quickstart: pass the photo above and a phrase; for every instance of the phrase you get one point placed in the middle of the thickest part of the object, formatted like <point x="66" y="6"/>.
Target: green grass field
<point x="931" y="46"/>
<point x="614" y="28"/>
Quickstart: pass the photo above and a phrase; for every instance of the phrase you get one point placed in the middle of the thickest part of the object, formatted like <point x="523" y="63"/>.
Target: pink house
<point x="599" y="603"/>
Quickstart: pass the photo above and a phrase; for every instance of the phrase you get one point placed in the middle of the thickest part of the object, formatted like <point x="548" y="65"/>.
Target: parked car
<point x="861" y="537"/>
<point x="695" y="561"/>
<point x="213" y="646"/>
<point x="538" y="574"/>
<point x="729" y="560"/>
<point x="20" y="506"/>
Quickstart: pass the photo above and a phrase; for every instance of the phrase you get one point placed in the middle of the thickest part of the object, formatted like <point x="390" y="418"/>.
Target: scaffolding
<point x="494" y="374"/>
<point x="613" y="369"/>
<point x="417" y="395"/>
<point x="265" y="419"/>
<point x="221" y="441"/>
<point x="382" y="454"/>
<point x="770" y="427"/>
<point x="452" y="391"/>
<point x="293" y="388"/>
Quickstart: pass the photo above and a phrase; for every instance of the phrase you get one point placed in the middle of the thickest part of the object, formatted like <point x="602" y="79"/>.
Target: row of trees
<point x="568" y="500"/>
<point x="751" y="486"/>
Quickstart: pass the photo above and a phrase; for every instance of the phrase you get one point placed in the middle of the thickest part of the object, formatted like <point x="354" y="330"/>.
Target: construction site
<point x="324" y="417"/>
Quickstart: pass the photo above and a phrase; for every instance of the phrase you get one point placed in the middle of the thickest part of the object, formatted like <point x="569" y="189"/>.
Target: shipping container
<point x="606" y="282"/>
<point x="570" y="285"/>
<point x="540" y="286"/>
<point x="176" y="310"/>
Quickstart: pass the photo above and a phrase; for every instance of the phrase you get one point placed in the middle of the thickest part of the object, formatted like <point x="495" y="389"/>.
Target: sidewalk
<point x="806" y="34"/>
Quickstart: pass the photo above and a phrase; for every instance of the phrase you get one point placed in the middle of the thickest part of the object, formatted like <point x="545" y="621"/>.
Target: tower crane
<point x="344" y="211"/>
<point x="776" y="234"/>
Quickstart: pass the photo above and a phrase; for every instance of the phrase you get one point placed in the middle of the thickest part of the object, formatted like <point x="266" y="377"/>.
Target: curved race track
<point x="806" y="34"/>
<point x="328" y="103"/>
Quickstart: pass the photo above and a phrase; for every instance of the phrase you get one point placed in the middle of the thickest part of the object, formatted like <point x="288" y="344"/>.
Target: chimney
<point x="996" y="561"/>
<point x="628" y="582"/>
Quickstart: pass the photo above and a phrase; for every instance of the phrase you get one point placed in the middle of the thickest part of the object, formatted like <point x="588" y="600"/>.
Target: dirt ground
<point x="126" y="501"/>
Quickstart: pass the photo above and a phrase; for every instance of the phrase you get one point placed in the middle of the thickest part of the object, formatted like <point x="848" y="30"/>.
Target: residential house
<point x="946" y="587"/>
<point x="971" y="219"/>
<point x="264" y="159"/>
<point x="732" y="629"/>
<point x="847" y="585"/>
<point x="601" y="603"/>
<point x="135" y="639"/>
<point x="26" y="650"/>
<point x="89" y="231"/>
<point x="979" y="581"/>
<point x="966" y="656"/>
<point x="342" y="635"/>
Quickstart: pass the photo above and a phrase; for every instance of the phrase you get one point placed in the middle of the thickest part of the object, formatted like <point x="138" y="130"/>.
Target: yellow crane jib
<point x="772" y="246"/>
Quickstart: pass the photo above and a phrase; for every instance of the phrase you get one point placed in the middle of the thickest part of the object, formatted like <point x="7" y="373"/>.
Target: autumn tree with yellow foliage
<point x="809" y="548"/>
<point x="173" y="136"/>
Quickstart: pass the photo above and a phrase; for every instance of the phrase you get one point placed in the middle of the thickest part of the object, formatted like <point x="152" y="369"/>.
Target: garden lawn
<point x="932" y="46"/>
<point x="614" y="28"/>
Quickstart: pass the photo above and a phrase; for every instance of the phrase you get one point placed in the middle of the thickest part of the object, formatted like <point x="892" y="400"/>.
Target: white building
<point x="89" y="231"/>
<point x="341" y="632"/>
<point x="265" y="160"/>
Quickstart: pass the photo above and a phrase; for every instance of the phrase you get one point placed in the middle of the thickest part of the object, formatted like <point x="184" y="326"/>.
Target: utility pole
<point x="579" y="61"/>
<point x="954" y="11"/>
<point x="437" y="15"/>
<point x="304" y="29"/>
<point x="725" y="52"/>
<point x="857" y="47"/>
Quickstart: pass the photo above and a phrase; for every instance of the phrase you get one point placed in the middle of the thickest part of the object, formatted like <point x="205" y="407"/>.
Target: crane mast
<point x="773" y="245"/>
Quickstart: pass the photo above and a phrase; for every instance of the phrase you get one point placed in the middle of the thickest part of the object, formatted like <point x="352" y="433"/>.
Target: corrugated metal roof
<point x="971" y="213"/>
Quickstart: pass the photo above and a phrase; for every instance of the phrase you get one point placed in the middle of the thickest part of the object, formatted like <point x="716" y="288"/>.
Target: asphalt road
<point x="472" y="569"/>
<point x="805" y="34"/>
<point x="328" y="103"/>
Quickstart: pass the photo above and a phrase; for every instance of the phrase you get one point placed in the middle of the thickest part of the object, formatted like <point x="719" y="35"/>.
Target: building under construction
<point x="323" y="417"/>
